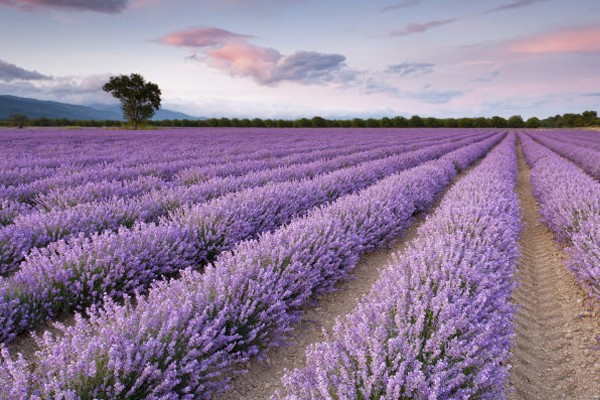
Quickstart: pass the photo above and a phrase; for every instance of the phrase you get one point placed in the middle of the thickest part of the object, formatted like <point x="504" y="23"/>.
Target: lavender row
<point x="36" y="229"/>
<point x="199" y="167"/>
<point x="61" y="192"/>
<point x="52" y="148"/>
<point x="229" y="172"/>
<point x="72" y="275"/>
<point x="127" y="151"/>
<point x="39" y="229"/>
<point x="69" y="196"/>
<point x="570" y="205"/>
<point x="187" y="335"/>
<point x="589" y="139"/>
<point x="438" y="322"/>
<point x="165" y="170"/>
<point x="194" y="175"/>
<point x="587" y="159"/>
<point x="62" y="198"/>
<point x="55" y="148"/>
<point x="10" y="210"/>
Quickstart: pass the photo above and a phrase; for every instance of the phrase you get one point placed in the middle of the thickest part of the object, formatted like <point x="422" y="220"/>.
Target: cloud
<point x="269" y="67"/>
<point x="435" y="96"/>
<point x="406" y="69"/>
<point x="10" y="72"/>
<point x="416" y="27"/>
<point x="375" y="86"/>
<point x="232" y="53"/>
<point x="245" y="60"/>
<point x="574" y="40"/>
<point x="400" y="5"/>
<point x="595" y="94"/>
<point x="513" y="5"/>
<point x="426" y="95"/>
<point x="489" y="77"/>
<point x="84" y="90"/>
<point x="311" y="67"/>
<point x="105" y="6"/>
<point x="203" y="37"/>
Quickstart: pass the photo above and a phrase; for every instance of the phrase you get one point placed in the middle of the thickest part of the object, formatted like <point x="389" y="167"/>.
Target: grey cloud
<point x="233" y="54"/>
<point x="309" y="67"/>
<point x="513" y="5"/>
<point x="407" y="68"/>
<point x="64" y="90"/>
<point x="488" y="78"/>
<point x="105" y="6"/>
<point x="11" y="72"/>
<point x="420" y="27"/>
<point x="435" y="96"/>
<point x="374" y="86"/>
<point x="400" y="5"/>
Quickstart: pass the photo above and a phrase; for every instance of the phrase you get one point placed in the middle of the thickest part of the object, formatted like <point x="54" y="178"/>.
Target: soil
<point x="26" y="343"/>
<point x="264" y="377"/>
<point x="556" y="353"/>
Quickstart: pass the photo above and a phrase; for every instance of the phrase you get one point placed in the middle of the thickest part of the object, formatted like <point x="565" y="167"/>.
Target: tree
<point x="416" y="122"/>
<point x="516" y="121"/>
<point x="533" y="122"/>
<point x="18" y="120"/>
<point x="318" y="122"/>
<point x="497" y="122"/>
<point x="139" y="99"/>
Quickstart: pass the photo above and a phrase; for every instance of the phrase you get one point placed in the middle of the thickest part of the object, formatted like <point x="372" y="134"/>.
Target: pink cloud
<point x="203" y="37"/>
<point x="232" y="53"/>
<point x="577" y="40"/>
<point x="246" y="60"/>
<point x="106" y="6"/>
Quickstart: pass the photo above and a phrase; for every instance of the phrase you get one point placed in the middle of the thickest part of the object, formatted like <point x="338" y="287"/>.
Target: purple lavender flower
<point x="183" y="339"/>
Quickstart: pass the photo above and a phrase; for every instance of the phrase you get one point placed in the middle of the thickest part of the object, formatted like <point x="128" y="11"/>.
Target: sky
<point x="303" y="58"/>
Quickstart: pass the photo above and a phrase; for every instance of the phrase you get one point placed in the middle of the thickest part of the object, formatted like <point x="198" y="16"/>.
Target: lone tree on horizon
<point x="18" y="120"/>
<point x="139" y="99"/>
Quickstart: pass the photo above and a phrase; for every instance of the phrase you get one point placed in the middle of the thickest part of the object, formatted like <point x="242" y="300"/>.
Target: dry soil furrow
<point x="264" y="377"/>
<point x="554" y="354"/>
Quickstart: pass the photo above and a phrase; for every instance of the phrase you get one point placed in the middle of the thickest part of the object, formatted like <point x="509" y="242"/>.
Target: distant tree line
<point x="585" y="119"/>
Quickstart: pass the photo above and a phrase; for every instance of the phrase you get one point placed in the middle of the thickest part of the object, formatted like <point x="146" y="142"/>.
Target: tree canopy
<point x="586" y="119"/>
<point x="18" y="120"/>
<point x="139" y="99"/>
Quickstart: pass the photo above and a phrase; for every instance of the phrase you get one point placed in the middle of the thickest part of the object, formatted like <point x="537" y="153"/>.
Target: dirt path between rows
<point x="264" y="377"/>
<point x="555" y="355"/>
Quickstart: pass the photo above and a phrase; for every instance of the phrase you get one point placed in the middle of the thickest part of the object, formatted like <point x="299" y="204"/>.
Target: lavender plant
<point x="183" y="339"/>
<point x="570" y="205"/>
<point x="438" y="322"/>
<point x="40" y="229"/>
<point x="73" y="275"/>
<point x="586" y="158"/>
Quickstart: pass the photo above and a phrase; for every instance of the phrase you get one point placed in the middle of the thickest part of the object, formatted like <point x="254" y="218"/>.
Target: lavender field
<point x="194" y="263"/>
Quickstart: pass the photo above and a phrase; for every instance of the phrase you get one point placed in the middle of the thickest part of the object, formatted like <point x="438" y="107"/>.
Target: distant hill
<point x="34" y="108"/>
<point x="159" y="115"/>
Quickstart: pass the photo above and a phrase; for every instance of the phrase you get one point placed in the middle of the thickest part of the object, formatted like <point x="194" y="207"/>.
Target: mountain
<point x="159" y="115"/>
<point x="34" y="108"/>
